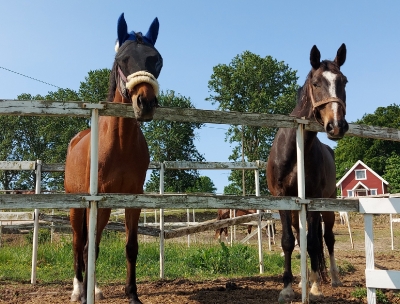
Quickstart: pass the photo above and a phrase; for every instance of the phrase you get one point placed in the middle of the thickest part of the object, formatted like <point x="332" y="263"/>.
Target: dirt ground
<point x="257" y="289"/>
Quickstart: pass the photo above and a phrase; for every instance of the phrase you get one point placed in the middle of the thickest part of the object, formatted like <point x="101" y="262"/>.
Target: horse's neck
<point x="119" y="130"/>
<point x="304" y="110"/>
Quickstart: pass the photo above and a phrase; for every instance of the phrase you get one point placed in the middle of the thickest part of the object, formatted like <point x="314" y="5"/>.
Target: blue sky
<point x="59" y="42"/>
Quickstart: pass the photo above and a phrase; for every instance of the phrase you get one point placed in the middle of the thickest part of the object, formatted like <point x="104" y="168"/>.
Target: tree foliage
<point x="45" y="137"/>
<point x="392" y="173"/>
<point x="203" y="184"/>
<point x="251" y="83"/>
<point x="379" y="155"/>
<point x="174" y="141"/>
<point x="95" y="87"/>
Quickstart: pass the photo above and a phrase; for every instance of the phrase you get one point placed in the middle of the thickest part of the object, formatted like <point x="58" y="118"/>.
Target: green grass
<point x="197" y="262"/>
<point x="361" y="293"/>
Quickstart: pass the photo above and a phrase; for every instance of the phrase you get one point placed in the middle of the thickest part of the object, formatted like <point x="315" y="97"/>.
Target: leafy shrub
<point x="361" y="293"/>
<point x="346" y="267"/>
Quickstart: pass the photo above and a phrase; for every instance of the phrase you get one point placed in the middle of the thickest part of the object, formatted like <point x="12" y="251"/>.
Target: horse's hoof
<point x="99" y="296"/>
<point x="337" y="284"/>
<point x="286" y="297"/>
<point x="315" y="293"/>
<point x="75" y="298"/>
<point x="315" y="297"/>
<point x="135" y="301"/>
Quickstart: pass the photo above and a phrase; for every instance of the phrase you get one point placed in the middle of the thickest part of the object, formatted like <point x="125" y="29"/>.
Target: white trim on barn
<point x="358" y="186"/>
<point x="359" y="162"/>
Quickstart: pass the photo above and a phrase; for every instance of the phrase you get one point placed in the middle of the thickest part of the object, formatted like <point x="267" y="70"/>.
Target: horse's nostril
<point x="329" y="128"/>
<point x="139" y="100"/>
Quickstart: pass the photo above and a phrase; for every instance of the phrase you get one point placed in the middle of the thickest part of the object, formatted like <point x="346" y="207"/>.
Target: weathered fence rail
<point x="70" y="108"/>
<point x="168" y="201"/>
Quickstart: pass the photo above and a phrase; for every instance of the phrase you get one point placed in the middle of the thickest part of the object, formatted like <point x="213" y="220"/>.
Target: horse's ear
<point x="152" y="33"/>
<point x="122" y="29"/>
<point x="341" y="55"/>
<point x="315" y="57"/>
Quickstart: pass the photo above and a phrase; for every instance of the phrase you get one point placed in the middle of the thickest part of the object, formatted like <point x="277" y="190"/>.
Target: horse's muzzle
<point x="145" y="109"/>
<point x="336" y="130"/>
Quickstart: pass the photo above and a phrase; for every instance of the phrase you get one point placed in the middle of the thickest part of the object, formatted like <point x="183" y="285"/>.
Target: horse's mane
<point x="112" y="83"/>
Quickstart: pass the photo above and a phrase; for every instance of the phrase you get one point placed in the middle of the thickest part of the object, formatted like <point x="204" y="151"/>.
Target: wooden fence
<point x="389" y="279"/>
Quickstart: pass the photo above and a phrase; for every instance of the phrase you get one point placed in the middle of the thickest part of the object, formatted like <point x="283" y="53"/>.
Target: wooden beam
<point x="171" y="201"/>
<point x="69" y="108"/>
<point x="209" y="225"/>
<point x="16" y="216"/>
<point x="42" y="201"/>
<point x="17" y="165"/>
<point x="208" y="201"/>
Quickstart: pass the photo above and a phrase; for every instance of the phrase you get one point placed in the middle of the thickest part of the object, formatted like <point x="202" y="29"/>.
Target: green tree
<point x="392" y="173"/>
<point x="251" y="83"/>
<point x="373" y="152"/>
<point x="173" y="141"/>
<point x="44" y="137"/>
<point x="95" y="87"/>
<point x="203" y="184"/>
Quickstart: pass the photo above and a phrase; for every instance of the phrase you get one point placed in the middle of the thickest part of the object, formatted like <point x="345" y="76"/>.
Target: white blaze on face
<point x="331" y="77"/>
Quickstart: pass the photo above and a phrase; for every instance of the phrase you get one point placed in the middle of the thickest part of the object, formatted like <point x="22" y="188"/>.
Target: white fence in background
<point x="95" y="201"/>
<point x="40" y="167"/>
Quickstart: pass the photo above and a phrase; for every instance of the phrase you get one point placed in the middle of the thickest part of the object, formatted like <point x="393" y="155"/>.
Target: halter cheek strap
<point x="316" y="104"/>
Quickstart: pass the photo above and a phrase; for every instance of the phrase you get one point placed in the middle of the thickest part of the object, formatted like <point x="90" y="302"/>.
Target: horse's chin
<point x="335" y="138"/>
<point x="141" y="115"/>
<point x="144" y="118"/>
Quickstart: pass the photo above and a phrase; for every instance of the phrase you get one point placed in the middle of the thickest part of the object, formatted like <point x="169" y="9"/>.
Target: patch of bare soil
<point x="257" y="289"/>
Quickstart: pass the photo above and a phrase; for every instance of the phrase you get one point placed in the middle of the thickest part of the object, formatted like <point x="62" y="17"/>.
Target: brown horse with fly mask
<point x="323" y="98"/>
<point x="123" y="152"/>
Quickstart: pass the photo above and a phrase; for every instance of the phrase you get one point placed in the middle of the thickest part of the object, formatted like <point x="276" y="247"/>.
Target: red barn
<point x="361" y="180"/>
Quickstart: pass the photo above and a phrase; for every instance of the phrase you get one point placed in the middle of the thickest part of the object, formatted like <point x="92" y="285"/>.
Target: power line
<point x="29" y="77"/>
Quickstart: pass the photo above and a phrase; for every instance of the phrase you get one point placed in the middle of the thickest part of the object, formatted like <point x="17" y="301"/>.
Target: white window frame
<point x="376" y="191"/>
<point x="350" y="193"/>
<point x="360" y="170"/>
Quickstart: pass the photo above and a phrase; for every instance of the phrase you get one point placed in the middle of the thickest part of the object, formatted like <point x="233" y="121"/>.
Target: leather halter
<point x="121" y="80"/>
<point x="317" y="104"/>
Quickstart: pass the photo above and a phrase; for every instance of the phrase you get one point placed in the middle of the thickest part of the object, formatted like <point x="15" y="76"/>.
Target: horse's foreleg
<point x="131" y="248"/>
<point x="77" y="219"/>
<point x="287" y="242"/>
<point x="102" y="219"/>
<point x="329" y="220"/>
<point x="315" y="252"/>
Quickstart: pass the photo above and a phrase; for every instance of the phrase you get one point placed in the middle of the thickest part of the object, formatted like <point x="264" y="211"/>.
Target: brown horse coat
<point x="123" y="155"/>
<point x="321" y="98"/>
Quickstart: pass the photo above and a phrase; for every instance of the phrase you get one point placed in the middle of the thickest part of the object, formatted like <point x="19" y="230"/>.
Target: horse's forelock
<point x="332" y="66"/>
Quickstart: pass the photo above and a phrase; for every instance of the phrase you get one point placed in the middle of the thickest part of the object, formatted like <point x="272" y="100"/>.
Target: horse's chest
<point x="123" y="168"/>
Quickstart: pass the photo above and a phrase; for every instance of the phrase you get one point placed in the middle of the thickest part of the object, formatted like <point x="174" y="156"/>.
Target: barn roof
<point x="359" y="162"/>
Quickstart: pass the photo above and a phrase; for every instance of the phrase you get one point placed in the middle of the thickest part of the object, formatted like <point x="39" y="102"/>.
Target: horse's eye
<point x="315" y="84"/>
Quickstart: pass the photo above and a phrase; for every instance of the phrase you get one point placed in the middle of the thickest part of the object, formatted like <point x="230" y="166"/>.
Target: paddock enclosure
<point x="367" y="206"/>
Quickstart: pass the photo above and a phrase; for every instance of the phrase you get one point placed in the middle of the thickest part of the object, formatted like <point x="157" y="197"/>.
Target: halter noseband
<point x="125" y="84"/>
<point x="316" y="104"/>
